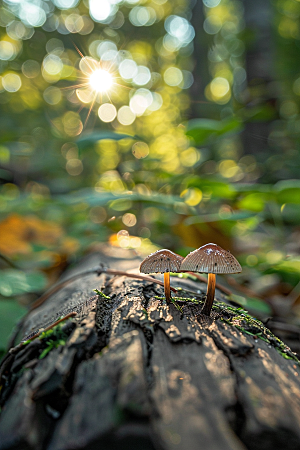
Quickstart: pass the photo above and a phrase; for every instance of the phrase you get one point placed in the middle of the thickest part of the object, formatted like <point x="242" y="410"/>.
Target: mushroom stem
<point x="210" y="294"/>
<point x="167" y="286"/>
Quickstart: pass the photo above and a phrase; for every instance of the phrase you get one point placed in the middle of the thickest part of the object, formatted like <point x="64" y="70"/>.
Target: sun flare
<point x="98" y="83"/>
<point x="101" y="80"/>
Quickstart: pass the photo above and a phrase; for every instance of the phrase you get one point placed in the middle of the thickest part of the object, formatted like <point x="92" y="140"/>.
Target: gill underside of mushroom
<point x="210" y="294"/>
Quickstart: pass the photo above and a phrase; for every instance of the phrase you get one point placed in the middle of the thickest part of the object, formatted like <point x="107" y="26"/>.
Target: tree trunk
<point x="130" y="372"/>
<point x="200" y="107"/>
<point x="260" y="76"/>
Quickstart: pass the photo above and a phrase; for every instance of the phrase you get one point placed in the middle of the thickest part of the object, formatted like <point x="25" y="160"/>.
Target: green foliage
<point x="90" y="139"/>
<point x="15" y="282"/>
<point x="207" y="131"/>
<point x="10" y="312"/>
<point x="255" y="305"/>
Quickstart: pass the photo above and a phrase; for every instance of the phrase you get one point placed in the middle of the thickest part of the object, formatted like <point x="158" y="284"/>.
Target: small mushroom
<point x="211" y="259"/>
<point x="163" y="261"/>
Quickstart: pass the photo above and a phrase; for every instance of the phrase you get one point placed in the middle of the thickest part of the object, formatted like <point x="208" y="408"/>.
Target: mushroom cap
<point x="210" y="258"/>
<point x="161" y="261"/>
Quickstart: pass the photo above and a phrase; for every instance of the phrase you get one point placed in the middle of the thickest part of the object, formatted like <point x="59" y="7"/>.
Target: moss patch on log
<point x="241" y="319"/>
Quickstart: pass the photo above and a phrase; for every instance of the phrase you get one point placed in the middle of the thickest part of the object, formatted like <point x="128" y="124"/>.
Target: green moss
<point x="242" y="320"/>
<point x="176" y="305"/>
<point x="101" y="294"/>
<point x="52" y="338"/>
<point x="184" y="275"/>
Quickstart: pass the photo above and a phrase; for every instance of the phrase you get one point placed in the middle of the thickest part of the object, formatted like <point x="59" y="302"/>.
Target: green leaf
<point x="15" y="282"/>
<point x="214" y="188"/>
<point x="291" y="213"/>
<point x="207" y="130"/>
<point x="201" y="129"/>
<point x="46" y="351"/>
<point x="254" y="305"/>
<point x="253" y="202"/>
<point x="261" y="113"/>
<point x="288" y="191"/>
<point x="90" y="139"/>
<point x="240" y="215"/>
<point x="10" y="312"/>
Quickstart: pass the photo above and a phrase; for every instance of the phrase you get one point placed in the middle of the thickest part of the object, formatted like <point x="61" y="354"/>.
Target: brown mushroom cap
<point x="161" y="261"/>
<point x="210" y="258"/>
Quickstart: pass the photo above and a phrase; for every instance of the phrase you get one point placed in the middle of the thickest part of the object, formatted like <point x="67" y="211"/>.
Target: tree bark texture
<point x="132" y="372"/>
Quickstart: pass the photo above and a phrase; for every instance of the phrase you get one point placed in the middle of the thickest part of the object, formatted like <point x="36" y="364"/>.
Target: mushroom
<point x="211" y="259"/>
<point x="162" y="261"/>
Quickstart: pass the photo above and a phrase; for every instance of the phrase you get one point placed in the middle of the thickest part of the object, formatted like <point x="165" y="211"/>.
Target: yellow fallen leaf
<point x="17" y="233"/>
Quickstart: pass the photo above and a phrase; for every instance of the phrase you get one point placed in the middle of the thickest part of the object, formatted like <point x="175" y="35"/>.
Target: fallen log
<point x="126" y="370"/>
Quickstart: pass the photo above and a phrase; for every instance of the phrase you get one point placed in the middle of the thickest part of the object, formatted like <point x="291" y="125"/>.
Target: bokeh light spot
<point x="31" y="68"/>
<point x="288" y="109"/>
<point x="218" y="90"/>
<point x="126" y="116"/>
<point x="229" y="169"/>
<point x="140" y="101"/>
<point x="274" y="257"/>
<point x="74" y="167"/>
<point x="219" y="87"/>
<point x="189" y="157"/>
<point x="141" y="16"/>
<point x="129" y="220"/>
<point x="143" y="76"/>
<point x="52" y="95"/>
<point x="11" y="82"/>
<point x="107" y="112"/>
<point x="128" y="69"/>
<point x="32" y="14"/>
<point x="74" y="23"/>
<point x="140" y="150"/>
<point x="211" y="3"/>
<point x="173" y="76"/>
<point x="180" y="28"/>
<point x="7" y="50"/>
<point x="65" y="4"/>
<point x="72" y="123"/>
<point x="192" y="196"/>
<point x="100" y="10"/>
<point x="97" y="214"/>
<point x="55" y="46"/>
<point x="251" y="260"/>
<point x="212" y="24"/>
<point x="85" y="95"/>
<point x="53" y="65"/>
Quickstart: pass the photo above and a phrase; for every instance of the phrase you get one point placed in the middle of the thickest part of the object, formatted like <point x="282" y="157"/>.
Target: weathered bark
<point x="135" y="373"/>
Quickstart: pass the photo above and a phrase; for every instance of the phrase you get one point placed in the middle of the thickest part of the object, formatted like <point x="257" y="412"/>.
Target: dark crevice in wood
<point x="235" y="413"/>
<point x="237" y="419"/>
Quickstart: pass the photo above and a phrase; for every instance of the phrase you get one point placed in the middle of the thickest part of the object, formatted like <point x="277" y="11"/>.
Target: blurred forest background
<point x="148" y="124"/>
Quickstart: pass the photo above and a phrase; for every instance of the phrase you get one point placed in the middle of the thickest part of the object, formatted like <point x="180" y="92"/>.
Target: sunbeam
<point x="101" y="80"/>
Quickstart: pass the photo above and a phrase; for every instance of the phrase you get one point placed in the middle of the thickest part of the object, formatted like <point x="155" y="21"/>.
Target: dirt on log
<point x="130" y="372"/>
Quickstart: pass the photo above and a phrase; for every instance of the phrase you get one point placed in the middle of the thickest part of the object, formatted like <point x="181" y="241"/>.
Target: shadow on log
<point x="129" y="372"/>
